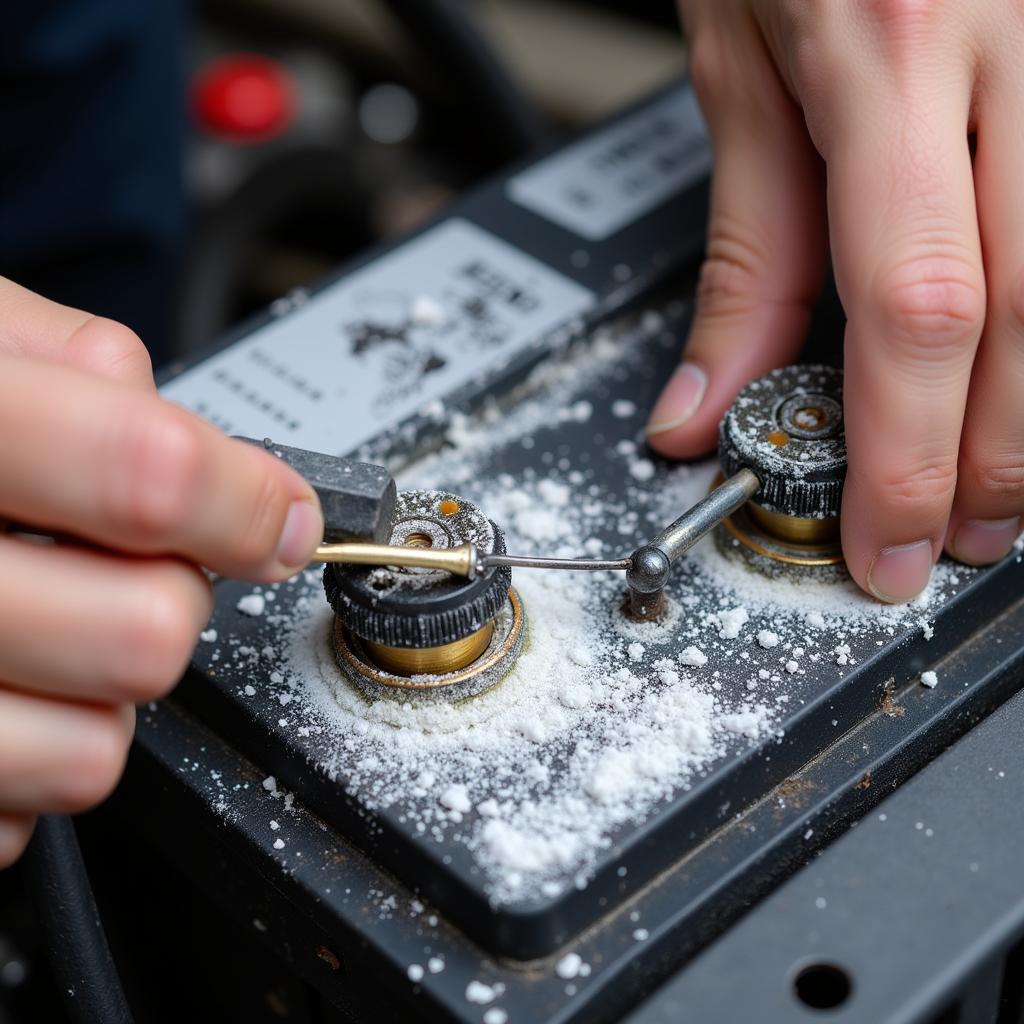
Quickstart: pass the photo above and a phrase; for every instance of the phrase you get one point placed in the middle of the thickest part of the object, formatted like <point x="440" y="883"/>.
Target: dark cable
<point x="448" y="37"/>
<point x="76" y="943"/>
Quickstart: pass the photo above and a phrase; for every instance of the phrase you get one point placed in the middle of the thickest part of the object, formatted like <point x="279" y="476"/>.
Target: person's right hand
<point x="141" y="494"/>
<point x="890" y="130"/>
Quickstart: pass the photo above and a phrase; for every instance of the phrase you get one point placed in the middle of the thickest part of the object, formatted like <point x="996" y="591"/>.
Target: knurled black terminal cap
<point x="788" y="428"/>
<point x="422" y="607"/>
<point x="357" y="498"/>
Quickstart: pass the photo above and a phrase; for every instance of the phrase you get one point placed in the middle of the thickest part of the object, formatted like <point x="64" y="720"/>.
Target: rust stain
<point x="795" y="791"/>
<point x="865" y="781"/>
<point x="644" y="607"/>
<point x="888" y="706"/>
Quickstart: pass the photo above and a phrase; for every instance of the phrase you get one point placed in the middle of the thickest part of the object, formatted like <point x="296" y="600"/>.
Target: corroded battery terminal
<point x="414" y="629"/>
<point x="787" y="427"/>
<point x="782" y="450"/>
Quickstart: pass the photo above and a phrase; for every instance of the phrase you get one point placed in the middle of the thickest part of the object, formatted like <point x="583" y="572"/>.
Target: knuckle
<point x="996" y="477"/>
<point x="730" y="274"/>
<point x="93" y="766"/>
<point x="111" y="347"/>
<point x="158" y="639"/>
<point x="904" y="491"/>
<point x="160" y="474"/>
<point x="933" y="305"/>
<point x="898" y="19"/>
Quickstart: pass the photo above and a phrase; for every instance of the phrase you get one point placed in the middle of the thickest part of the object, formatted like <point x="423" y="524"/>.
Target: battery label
<point x="446" y="308"/>
<point x="606" y="181"/>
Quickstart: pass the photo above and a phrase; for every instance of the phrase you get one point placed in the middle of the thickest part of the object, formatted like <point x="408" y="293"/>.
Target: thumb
<point x="766" y="244"/>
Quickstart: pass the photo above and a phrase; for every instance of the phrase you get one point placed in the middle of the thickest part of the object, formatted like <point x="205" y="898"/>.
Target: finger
<point x="58" y="757"/>
<point x="766" y="242"/>
<point x="15" y="832"/>
<point x="134" y="473"/>
<point x="33" y="326"/>
<point x="908" y="268"/>
<point x="986" y="516"/>
<point x="126" y="626"/>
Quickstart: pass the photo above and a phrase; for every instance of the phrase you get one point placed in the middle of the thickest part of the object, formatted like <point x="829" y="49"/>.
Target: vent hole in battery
<point x="823" y="986"/>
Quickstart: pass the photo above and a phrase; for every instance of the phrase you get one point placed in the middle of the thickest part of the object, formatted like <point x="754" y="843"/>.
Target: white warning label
<point x="600" y="184"/>
<point x="448" y="307"/>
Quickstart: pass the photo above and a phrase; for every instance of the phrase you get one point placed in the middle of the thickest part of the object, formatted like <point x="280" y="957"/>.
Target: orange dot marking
<point x="448" y="507"/>
<point x="780" y="437"/>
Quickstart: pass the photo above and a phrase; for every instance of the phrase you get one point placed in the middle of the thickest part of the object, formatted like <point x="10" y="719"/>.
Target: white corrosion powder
<point x="602" y="720"/>
<point x="479" y="993"/>
<point x="252" y="604"/>
<point x="693" y="656"/>
<point x="569" y="966"/>
<point x="455" y="798"/>
<point x="929" y="679"/>
<point x="642" y="469"/>
<point x="731" y="622"/>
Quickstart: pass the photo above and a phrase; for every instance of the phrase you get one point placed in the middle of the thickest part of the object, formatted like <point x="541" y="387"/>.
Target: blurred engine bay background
<point x="362" y="118"/>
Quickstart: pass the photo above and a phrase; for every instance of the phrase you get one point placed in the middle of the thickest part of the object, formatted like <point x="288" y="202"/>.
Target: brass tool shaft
<point x="464" y="560"/>
<point x="460" y="561"/>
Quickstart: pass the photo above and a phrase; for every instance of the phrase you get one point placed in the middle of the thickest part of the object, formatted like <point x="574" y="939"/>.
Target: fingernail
<point x="303" y="531"/>
<point x="981" y="541"/>
<point x="680" y="399"/>
<point x="901" y="572"/>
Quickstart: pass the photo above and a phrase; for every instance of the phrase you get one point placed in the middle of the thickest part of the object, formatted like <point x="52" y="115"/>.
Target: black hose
<point x="446" y="34"/>
<point x="76" y="943"/>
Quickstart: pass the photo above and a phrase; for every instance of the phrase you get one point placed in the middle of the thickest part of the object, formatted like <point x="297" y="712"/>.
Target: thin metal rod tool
<point x="464" y="560"/>
<point x="467" y="560"/>
<point x="576" y="564"/>
<point x="700" y="520"/>
<point x="652" y="563"/>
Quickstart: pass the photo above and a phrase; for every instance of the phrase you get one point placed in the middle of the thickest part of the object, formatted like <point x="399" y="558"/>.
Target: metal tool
<point x="647" y="569"/>
<point x="464" y="560"/>
<point x="651" y="564"/>
<point x="781" y="443"/>
<point x="357" y="498"/>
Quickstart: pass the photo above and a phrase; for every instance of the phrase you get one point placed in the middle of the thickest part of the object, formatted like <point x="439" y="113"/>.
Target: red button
<point x="246" y="97"/>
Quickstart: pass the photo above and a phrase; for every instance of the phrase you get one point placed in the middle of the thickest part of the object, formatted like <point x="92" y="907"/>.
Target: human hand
<point x="848" y="123"/>
<point x="92" y="625"/>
